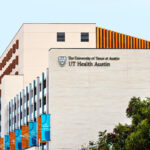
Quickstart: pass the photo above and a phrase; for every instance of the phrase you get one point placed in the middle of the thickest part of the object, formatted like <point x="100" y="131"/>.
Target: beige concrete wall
<point x="39" y="38"/>
<point x="35" y="40"/>
<point x="11" y="85"/>
<point x="19" y="52"/>
<point x="87" y="99"/>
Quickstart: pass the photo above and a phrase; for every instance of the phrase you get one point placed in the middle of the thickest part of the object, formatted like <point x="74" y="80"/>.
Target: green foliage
<point x="140" y="138"/>
<point x="121" y="132"/>
<point x="130" y="137"/>
<point x="102" y="142"/>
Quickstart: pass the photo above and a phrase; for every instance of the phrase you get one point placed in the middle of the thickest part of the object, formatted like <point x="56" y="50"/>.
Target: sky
<point x="131" y="17"/>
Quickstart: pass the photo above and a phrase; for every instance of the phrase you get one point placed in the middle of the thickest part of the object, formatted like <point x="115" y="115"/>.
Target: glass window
<point x="44" y="84"/>
<point x="60" y="36"/>
<point x="34" y="90"/>
<point x="84" y="37"/>
<point x="21" y="101"/>
<point x="34" y="106"/>
<point x="28" y="111"/>
<point x="27" y="96"/>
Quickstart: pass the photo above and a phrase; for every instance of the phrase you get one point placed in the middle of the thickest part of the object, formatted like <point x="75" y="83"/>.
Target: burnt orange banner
<point x="12" y="140"/>
<point x="1" y="143"/>
<point x="39" y="131"/>
<point x="25" y="136"/>
<point x="106" y="39"/>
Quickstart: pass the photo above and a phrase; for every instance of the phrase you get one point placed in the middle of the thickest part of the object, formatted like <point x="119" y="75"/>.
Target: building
<point x="89" y="76"/>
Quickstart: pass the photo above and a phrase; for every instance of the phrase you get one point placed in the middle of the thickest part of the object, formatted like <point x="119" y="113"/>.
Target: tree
<point x="135" y="136"/>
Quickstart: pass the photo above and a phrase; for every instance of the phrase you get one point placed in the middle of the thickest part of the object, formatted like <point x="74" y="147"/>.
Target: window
<point x="15" y="106"/>
<point x="60" y="36"/>
<point x="34" y="106"/>
<point x="44" y="100"/>
<point x="40" y="86"/>
<point x="20" y="115"/>
<point x="40" y="102"/>
<point x="34" y="90"/>
<point x="84" y="37"/>
<point x="28" y="111"/>
<point x="21" y="101"/>
<point x="27" y="96"/>
<point x="44" y="84"/>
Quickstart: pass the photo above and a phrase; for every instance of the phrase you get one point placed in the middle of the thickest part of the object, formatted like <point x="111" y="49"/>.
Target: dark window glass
<point x="34" y="106"/>
<point x="84" y="37"/>
<point x="34" y="119"/>
<point x="27" y="96"/>
<point x="44" y="84"/>
<point x="40" y="103"/>
<point x="21" y="115"/>
<point x="60" y="36"/>
<point x="34" y="90"/>
<point x="44" y="100"/>
<point x="40" y="86"/>
<point x="28" y="111"/>
<point x="21" y="101"/>
<point x="15" y="106"/>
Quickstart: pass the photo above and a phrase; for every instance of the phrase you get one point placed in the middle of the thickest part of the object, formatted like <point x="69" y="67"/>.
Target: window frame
<point x="61" y="38"/>
<point x="84" y="39"/>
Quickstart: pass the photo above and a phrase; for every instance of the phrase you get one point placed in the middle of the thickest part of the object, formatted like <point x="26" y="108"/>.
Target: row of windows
<point x="19" y="114"/>
<point x="24" y="109"/>
<point x="61" y="37"/>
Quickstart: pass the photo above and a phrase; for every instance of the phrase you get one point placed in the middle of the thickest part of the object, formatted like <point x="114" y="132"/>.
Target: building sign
<point x="92" y="61"/>
<point x="45" y="127"/>
<point x="18" y="139"/>
<point x="32" y="133"/>
<point x="7" y="142"/>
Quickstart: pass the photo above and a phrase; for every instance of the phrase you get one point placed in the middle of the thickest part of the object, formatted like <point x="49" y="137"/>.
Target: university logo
<point x="62" y="60"/>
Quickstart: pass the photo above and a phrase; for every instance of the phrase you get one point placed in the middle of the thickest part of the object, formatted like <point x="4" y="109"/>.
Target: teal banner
<point x="18" y="139"/>
<point x="45" y="127"/>
<point x="7" y="142"/>
<point x="32" y="133"/>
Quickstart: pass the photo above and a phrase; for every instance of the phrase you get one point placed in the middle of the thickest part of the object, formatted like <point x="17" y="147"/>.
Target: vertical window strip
<point x="34" y="102"/>
<point x="27" y="105"/>
<point x="9" y="116"/>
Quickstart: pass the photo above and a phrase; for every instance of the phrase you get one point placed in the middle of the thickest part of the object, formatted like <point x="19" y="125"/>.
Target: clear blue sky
<point x="126" y="16"/>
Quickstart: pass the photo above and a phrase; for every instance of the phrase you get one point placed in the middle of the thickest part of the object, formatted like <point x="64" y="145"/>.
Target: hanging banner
<point x="32" y="133"/>
<point x="25" y="136"/>
<point x="1" y="143"/>
<point x="12" y="140"/>
<point x="45" y="127"/>
<point x="7" y="142"/>
<point x="18" y="139"/>
<point x="39" y="131"/>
